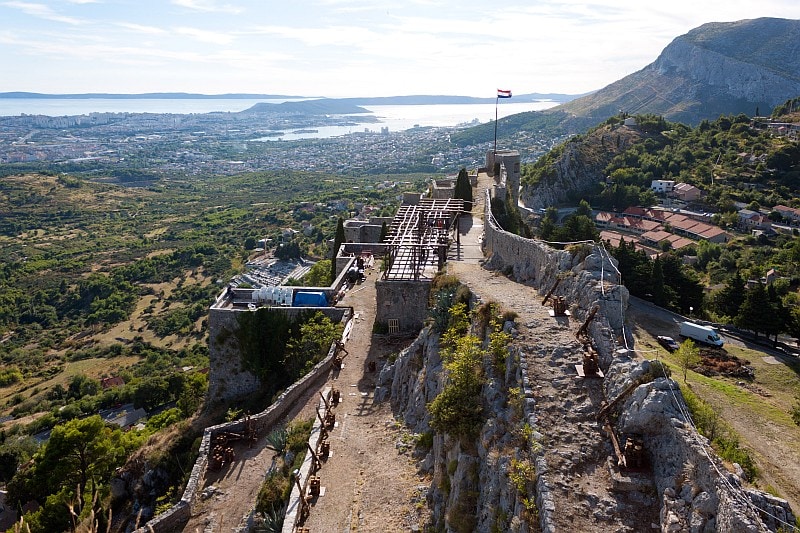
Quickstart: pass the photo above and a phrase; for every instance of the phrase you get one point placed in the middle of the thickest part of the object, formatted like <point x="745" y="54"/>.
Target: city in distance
<point x="230" y="135"/>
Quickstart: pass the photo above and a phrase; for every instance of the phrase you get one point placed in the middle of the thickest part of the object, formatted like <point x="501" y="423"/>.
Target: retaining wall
<point x="177" y="516"/>
<point x="228" y="377"/>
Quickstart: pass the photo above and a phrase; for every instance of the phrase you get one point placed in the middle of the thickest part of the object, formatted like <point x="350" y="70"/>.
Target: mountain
<point x="719" y="68"/>
<point x="716" y="69"/>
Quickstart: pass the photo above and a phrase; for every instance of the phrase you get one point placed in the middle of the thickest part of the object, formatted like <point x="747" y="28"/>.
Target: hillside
<point x="730" y="160"/>
<point x="719" y="68"/>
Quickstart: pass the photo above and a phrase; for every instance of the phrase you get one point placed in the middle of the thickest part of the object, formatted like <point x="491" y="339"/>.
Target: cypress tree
<point x="755" y="312"/>
<point x="730" y="298"/>
<point x="463" y="189"/>
<point x="657" y="283"/>
<point x="384" y="232"/>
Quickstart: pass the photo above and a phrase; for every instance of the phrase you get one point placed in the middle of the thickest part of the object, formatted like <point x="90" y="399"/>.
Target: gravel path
<point x="576" y="447"/>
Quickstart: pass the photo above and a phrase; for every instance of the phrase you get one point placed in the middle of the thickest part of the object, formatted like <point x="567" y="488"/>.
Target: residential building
<point x="686" y="192"/>
<point x="749" y="219"/>
<point x="662" y="186"/>
<point x="792" y="214"/>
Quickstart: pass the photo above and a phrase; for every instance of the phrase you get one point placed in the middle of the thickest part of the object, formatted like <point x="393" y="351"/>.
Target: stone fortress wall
<point x="708" y="498"/>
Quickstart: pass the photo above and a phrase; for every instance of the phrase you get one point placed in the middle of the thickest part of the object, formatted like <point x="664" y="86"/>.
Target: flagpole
<point x="496" y="100"/>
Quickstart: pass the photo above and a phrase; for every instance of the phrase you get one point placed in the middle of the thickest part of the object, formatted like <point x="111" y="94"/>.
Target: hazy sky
<point x="344" y="47"/>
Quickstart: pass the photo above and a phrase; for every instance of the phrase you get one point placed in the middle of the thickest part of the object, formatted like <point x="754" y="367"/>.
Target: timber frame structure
<point x="419" y="237"/>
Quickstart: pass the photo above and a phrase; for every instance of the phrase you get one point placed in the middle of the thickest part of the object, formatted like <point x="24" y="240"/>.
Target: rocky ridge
<point x="719" y="68"/>
<point x="565" y="458"/>
<point x="579" y="167"/>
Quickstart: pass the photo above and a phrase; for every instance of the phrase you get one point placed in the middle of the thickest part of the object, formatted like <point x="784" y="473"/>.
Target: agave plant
<point x="270" y="521"/>
<point x="276" y="440"/>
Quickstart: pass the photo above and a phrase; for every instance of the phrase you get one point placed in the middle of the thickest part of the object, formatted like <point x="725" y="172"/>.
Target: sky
<point x="341" y="48"/>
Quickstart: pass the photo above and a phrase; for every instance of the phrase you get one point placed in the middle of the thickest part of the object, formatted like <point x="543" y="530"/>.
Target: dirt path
<point x="369" y="485"/>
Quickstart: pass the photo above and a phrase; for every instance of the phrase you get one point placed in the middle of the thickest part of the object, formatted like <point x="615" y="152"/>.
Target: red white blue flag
<point x="503" y="94"/>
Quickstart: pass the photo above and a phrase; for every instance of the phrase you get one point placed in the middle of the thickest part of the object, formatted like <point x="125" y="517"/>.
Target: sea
<point x="393" y="117"/>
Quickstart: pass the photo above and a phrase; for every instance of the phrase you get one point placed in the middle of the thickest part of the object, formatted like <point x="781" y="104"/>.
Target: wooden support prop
<point x="316" y="463"/>
<point x="605" y="410"/>
<point x="321" y="419"/>
<point x="300" y="488"/>
<point x="589" y="318"/>
<point x="325" y="401"/>
<point x="617" y="450"/>
<point x="551" y="291"/>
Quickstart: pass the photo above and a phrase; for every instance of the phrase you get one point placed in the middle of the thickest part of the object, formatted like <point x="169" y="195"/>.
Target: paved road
<point x="651" y="314"/>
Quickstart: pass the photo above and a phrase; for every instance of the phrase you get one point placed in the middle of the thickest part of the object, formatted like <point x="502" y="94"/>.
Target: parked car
<point x="668" y="343"/>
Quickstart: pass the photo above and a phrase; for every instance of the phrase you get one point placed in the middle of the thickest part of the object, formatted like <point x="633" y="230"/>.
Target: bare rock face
<point x="698" y="494"/>
<point x="413" y="380"/>
<point x="719" y="68"/>
<point x="465" y="478"/>
<point x="580" y="166"/>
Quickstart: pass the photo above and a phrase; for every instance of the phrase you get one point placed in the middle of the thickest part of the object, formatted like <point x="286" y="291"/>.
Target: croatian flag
<point x="503" y="94"/>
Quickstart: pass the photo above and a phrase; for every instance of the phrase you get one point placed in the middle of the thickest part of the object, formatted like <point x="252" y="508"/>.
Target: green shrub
<point x="298" y="434"/>
<point x="9" y="376"/>
<point x="425" y="440"/>
<point x="458" y="410"/>
<point x="274" y="492"/>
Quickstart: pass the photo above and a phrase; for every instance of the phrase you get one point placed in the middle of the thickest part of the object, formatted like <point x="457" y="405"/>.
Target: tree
<point x="305" y="350"/>
<point x="289" y="250"/>
<point x="191" y="395"/>
<point x="584" y="209"/>
<point x="80" y="454"/>
<point x="755" y="314"/>
<point x="319" y="274"/>
<point x="781" y="315"/>
<point x="151" y="393"/>
<point x="728" y="301"/>
<point x="463" y="189"/>
<point x="688" y="356"/>
<point x="657" y="283"/>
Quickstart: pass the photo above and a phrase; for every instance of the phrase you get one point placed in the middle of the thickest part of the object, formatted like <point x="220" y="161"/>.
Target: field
<point x="99" y="280"/>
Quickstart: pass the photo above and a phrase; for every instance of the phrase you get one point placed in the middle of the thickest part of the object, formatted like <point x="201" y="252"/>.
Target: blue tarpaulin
<point x="309" y="299"/>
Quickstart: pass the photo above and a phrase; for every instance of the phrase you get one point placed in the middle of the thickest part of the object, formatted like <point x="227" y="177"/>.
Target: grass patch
<point x="722" y="436"/>
<point x="763" y="405"/>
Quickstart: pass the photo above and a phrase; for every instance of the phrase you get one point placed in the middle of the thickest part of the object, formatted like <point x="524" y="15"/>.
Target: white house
<point x="662" y="186"/>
